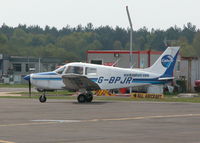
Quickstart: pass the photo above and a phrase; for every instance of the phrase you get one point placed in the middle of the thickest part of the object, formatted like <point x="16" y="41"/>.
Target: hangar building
<point x="14" y="68"/>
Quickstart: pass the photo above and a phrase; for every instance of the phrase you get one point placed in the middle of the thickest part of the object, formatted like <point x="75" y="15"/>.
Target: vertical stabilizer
<point x="164" y="66"/>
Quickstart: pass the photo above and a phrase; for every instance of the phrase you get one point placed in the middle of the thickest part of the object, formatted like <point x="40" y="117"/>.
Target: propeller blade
<point x="29" y="85"/>
<point x="28" y="78"/>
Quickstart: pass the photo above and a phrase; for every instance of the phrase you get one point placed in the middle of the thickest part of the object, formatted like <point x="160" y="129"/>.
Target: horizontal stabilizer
<point x="166" y="78"/>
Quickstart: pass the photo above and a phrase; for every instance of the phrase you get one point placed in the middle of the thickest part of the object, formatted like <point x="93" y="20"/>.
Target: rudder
<point x="164" y="66"/>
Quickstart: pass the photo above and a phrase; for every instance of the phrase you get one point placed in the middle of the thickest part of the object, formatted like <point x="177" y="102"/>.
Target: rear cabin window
<point x="90" y="71"/>
<point x="74" y="70"/>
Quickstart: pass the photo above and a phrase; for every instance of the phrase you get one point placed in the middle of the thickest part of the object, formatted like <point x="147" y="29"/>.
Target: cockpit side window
<point x="60" y="70"/>
<point x="74" y="70"/>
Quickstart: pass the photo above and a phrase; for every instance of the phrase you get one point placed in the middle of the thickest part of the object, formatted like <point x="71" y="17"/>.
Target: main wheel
<point x="43" y="99"/>
<point x="82" y="98"/>
<point x="89" y="97"/>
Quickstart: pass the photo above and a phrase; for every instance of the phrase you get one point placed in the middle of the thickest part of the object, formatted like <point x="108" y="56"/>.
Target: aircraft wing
<point x="77" y="82"/>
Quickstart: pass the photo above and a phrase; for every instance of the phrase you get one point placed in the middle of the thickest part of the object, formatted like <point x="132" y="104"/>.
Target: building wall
<point x="190" y="73"/>
<point x="123" y="59"/>
<point x="28" y="65"/>
<point x="140" y="59"/>
<point x="143" y="61"/>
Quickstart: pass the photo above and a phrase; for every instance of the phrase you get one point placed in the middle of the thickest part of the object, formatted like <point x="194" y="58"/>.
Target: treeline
<point x="72" y="43"/>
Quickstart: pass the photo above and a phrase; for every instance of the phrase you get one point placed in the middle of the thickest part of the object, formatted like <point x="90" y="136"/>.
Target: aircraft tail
<point x="164" y="66"/>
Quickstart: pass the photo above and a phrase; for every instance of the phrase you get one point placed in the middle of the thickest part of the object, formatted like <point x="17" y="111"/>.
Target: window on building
<point x="45" y="67"/>
<point x="90" y="71"/>
<point x="17" y="67"/>
<point x="27" y="68"/>
<point x="74" y="70"/>
<point x="178" y="65"/>
<point x="30" y="67"/>
<point x="98" y="62"/>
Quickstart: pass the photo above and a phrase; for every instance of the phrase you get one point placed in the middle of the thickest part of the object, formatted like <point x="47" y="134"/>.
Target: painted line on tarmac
<point x="144" y="117"/>
<point x="48" y="122"/>
<point x="3" y="141"/>
<point x="120" y="119"/>
<point x="27" y="124"/>
<point x="58" y="121"/>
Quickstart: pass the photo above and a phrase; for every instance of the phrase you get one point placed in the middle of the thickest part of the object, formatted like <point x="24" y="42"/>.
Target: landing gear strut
<point x="83" y="98"/>
<point x="43" y="98"/>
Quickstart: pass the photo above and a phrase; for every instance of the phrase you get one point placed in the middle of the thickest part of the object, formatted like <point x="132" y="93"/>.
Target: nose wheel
<point x="43" y="98"/>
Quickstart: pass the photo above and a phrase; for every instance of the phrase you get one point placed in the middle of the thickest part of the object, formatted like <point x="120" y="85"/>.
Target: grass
<point x="36" y="97"/>
<point x="165" y="99"/>
<point x="13" y="85"/>
<point x="55" y="93"/>
<point x="63" y="95"/>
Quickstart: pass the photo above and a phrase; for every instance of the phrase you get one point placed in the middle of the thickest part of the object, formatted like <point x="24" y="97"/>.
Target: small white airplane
<point x="85" y="77"/>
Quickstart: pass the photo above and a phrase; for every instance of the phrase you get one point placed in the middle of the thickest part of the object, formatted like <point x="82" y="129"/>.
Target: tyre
<point x="81" y="98"/>
<point x="43" y="99"/>
<point x="89" y="97"/>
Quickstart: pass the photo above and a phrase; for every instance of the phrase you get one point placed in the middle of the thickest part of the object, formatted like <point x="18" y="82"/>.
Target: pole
<point x="39" y="65"/>
<point x="131" y="38"/>
<point x="28" y="65"/>
<point x="131" y="41"/>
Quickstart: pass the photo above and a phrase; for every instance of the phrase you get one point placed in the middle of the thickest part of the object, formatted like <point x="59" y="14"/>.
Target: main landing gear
<point x="43" y="97"/>
<point x="85" y="97"/>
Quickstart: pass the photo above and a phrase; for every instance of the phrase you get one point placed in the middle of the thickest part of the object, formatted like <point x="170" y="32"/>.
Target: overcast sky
<point x="158" y="14"/>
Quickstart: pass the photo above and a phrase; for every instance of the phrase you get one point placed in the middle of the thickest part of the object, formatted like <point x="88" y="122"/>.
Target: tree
<point x="3" y="39"/>
<point x="196" y="43"/>
<point x="117" y="45"/>
<point x="73" y="42"/>
<point x="187" y="50"/>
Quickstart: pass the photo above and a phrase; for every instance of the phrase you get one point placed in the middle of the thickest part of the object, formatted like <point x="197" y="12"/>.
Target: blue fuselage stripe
<point x="46" y="73"/>
<point x="93" y="79"/>
<point x="151" y="82"/>
<point x="47" y="78"/>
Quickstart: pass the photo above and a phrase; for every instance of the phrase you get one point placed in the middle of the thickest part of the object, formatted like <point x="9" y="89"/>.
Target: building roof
<point x="122" y="52"/>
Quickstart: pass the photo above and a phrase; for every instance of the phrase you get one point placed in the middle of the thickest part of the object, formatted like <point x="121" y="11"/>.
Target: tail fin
<point x="164" y="66"/>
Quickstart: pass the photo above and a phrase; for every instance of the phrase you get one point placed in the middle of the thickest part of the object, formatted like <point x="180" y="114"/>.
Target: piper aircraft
<point x="85" y="77"/>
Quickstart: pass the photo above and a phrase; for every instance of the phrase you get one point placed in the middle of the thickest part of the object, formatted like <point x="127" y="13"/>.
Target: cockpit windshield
<point x="74" y="70"/>
<point x="60" y="70"/>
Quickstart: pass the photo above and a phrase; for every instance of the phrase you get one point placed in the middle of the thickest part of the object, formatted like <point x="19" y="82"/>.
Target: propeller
<point x="29" y="85"/>
<point x="28" y="78"/>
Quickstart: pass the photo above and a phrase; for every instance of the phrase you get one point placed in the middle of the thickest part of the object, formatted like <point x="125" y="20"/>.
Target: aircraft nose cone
<point x="27" y="77"/>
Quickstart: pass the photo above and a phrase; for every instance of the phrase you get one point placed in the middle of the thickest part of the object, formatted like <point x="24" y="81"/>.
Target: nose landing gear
<point x="43" y="98"/>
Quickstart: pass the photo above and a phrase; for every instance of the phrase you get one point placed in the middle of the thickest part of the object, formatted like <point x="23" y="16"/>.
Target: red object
<point x="197" y="82"/>
<point x="149" y="58"/>
<point x="109" y="64"/>
<point x="123" y="90"/>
